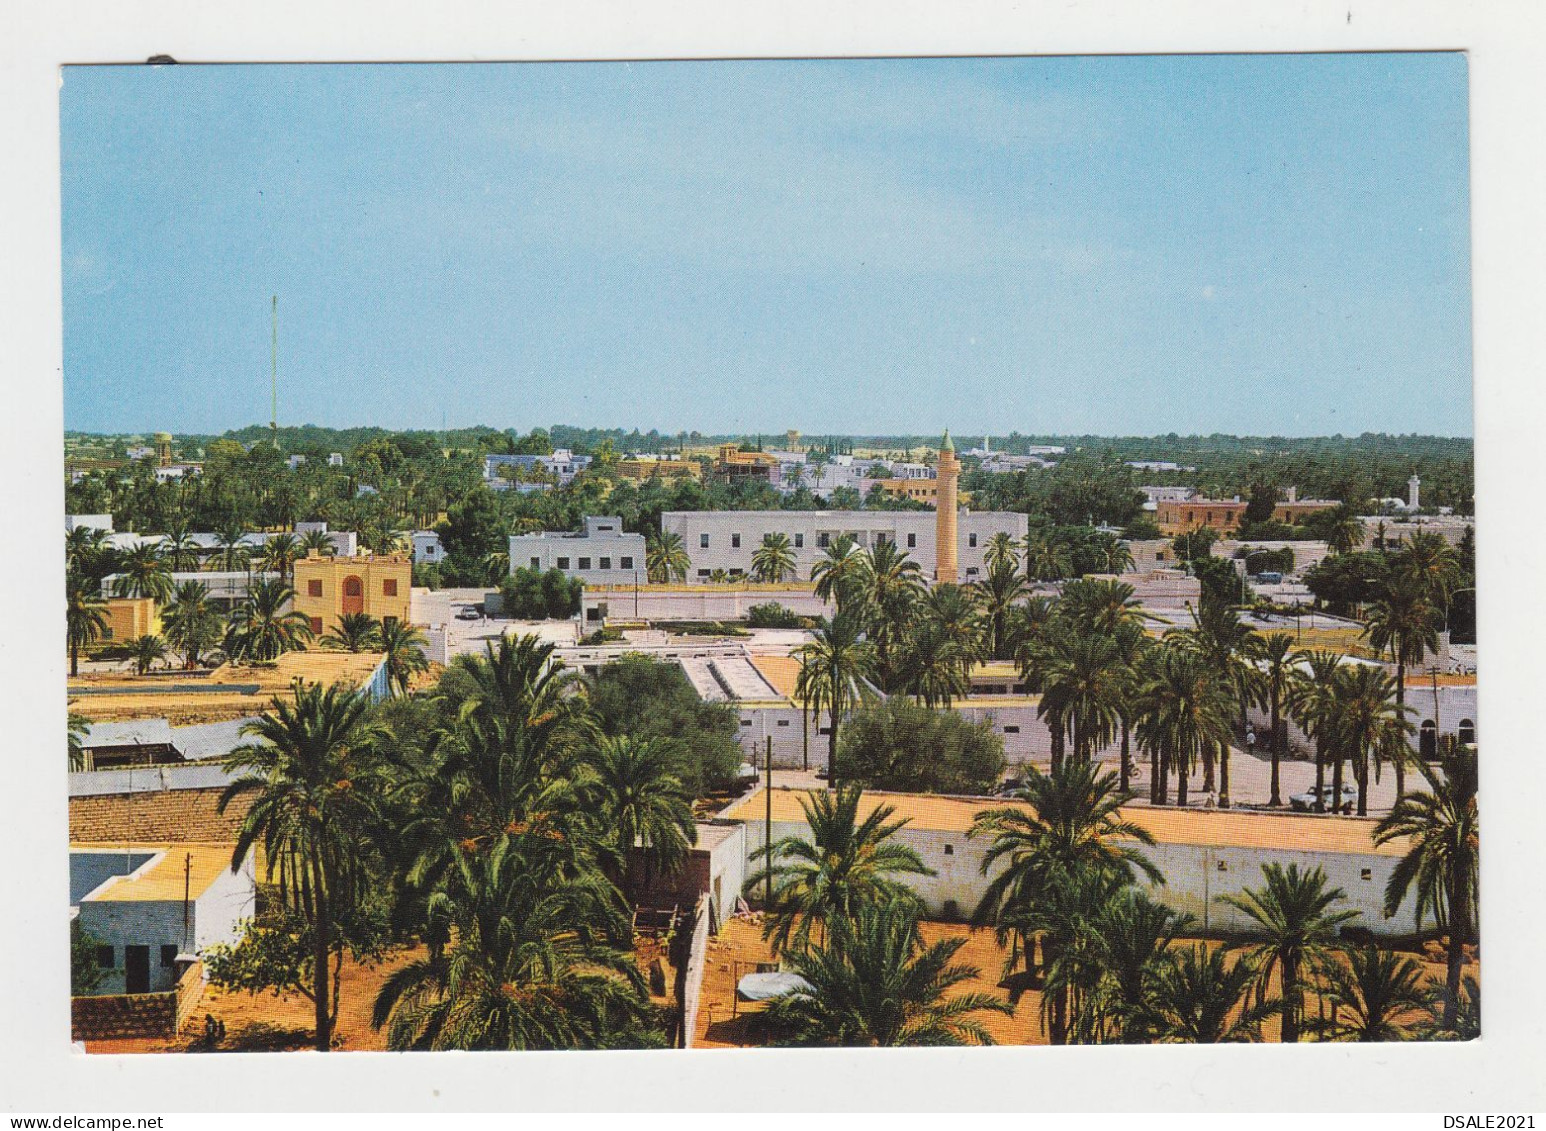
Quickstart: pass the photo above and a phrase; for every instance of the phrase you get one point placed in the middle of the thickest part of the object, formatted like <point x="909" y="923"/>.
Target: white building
<point x="427" y="549"/>
<point x="102" y="522"/>
<point x="602" y="553"/>
<point x="335" y="459"/>
<point x="563" y="465"/>
<point x="295" y="461"/>
<point x="726" y="540"/>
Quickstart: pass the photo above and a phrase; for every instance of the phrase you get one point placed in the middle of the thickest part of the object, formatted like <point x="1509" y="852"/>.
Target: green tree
<point x="85" y="618"/>
<point x="643" y="806"/>
<point x="665" y="559"/>
<point x="279" y="554"/>
<point x="403" y="645"/>
<point x="875" y="983"/>
<point x="833" y="667"/>
<point x="836" y="572"/>
<point x="313" y="780"/>
<point x="1200" y="998"/>
<point x="85" y="971"/>
<point x="1367" y="724"/>
<point x="774" y="559"/>
<point x="77" y="727"/>
<point x="143" y="573"/>
<point x="1296" y="927"/>
<point x="1370" y="996"/>
<point x="149" y="650"/>
<point x="317" y="542"/>
<point x="848" y="863"/>
<point x="646" y="699"/>
<point x="1312" y="701"/>
<point x="1182" y="712"/>
<point x="1404" y="624"/>
<point x="1277" y="671"/>
<point x="1439" y="824"/>
<point x="899" y="746"/>
<point x="355" y="632"/>
<point x="190" y="623"/>
<point x="265" y="626"/>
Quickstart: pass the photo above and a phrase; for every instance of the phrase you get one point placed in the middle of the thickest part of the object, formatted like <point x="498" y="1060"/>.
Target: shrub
<point x="529" y="594"/>
<point x="900" y="745"/>
<point x="773" y="615"/>
<point x="647" y="698"/>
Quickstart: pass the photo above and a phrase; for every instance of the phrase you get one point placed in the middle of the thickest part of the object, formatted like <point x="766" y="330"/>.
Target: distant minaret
<point x="947" y="471"/>
<point x="1413" y="492"/>
<point x="987" y="446"/>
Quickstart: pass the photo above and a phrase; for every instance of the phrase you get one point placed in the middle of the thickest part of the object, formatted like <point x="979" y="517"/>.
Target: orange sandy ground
<point x="265" y="1023"/>
<point x="722" y="1024"/>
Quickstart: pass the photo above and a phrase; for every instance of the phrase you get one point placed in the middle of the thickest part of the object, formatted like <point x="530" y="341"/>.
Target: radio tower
<point x="273" y="362"/>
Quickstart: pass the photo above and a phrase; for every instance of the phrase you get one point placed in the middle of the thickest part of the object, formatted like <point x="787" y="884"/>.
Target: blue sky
<point x="1270" y="244"/>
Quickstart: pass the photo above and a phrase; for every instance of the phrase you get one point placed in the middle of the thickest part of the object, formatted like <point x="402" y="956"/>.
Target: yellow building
<point x="129" y="618"/>
<point x="329" y="588"/>
<point x="642" y="470"/>
<point x="919" y="490"/>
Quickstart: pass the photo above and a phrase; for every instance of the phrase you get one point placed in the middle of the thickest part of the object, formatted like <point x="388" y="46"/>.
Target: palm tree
<point x="1344" y="530"/>
<point x="182" y="553"/>
<point x="833" y="667"/>
<point x="836" y="571"/>
<point x="1118" y="556"/>
<point x="1277" y="670"/>
<point x="998" y="594"/>
<point x="1230" y="648"/>
<point x="887" y="585"/>
<point x="1296" y="928"/>
<point x="665" y="559"/>
<point x="1370" y="995"/>
<point x="143" y="573"/>
<point x="953" y="609"/>
<point x="1367" y="723"/>
<point x="261" y="629"/>
<point x="1132" y="646"/>
<point x="520" y="683"/>
<point x="404" y="646"/>
<point x="1312" y="700"/>
<point x="231" y="551"/>
<point x="1433" y="564"/>
<point x="930" y="668"/>
<point x="1060" y="842"/>
<point x="876" y="984"/>
<point x="1099" y="606"/>
<point x="280" y="553"/>
<point x="1082" y="682"/>
<point x="1002" y="553"/>
<point x="356" y="632"/>
<point x="1404" y="623"/>
<point x="312" y="777"/>
<point x="1046" y="559"/>
<point x="85" y="617"/>
<point x="77" y="727"/>
<point x="1131" y="937"/>
<point x="774" y="559"/>
<point x="847" y="864"/>
<point x="190" y="623"/>
<point x="149" y="650"/>
<point x="1182" y="711"/>
<point x="83" y="548"/>
<point x="643" y="806"/>
<point x="1440" y="826"/>
<point x="539" y="962"/>
<point x="317" y="542"/>
<point x="1199" y="998"/>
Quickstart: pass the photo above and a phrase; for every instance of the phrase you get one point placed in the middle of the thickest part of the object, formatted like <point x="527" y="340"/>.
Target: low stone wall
<point x="111" y="1016"/>
<point x="697" y="962"/>
<point x="169" y="816"/>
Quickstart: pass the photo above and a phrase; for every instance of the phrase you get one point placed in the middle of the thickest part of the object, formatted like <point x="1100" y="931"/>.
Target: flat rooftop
<point x="231" y="691"/>
<point x="178" y="868"/>
<point x="1222" y="828"/>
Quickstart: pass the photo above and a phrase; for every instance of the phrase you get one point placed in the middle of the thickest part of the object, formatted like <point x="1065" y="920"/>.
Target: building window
<point x="912" y="541"/>
<point x="1011" y="730"/>
<point x="1366" y="873"/>
<point x="1467" y="732"/>
<point x="746" y="722"/>
<point x="799" y="541"/>
<point x="606" y="563"/>
<point x="824" y="730"/>
<point x="971" y="571"/>
<point x="585" y="563"/>
<point x="563" y="563"/>
<point x="314" y="589"/>
<point x="1223" y="867"/>
<point x="705" y="572"/>
<point x="735" y="541"/>
<point x="168" y="955"/>
<point x="737" y="573"/>
<point x="626" y="562"/>
<point x="703" y="541"/>
<point x="783" y="722"/>
<point x="971" y="540"/>
<point x="823" y="540"/>
<point x="950" y="850"/>
<point x="536" y="563"/>
<point x="105" y="957"/>
<point x="389" y="587"/>
<point x="316" y="626"/>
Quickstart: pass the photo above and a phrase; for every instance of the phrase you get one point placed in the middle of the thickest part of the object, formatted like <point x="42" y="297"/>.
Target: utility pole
<point x="273" y="367"/>
<point x="805" y="737"/>
<point x="187" y="893"/>
<point x="767" y="901"/>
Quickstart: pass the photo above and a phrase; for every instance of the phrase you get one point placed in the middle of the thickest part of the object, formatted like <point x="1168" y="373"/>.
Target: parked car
<point x="1304" y="802"/>
<point x="468" y="612"/>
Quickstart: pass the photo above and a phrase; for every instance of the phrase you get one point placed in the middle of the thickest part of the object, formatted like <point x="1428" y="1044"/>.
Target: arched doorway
<point x="354" y="596"/>
<point x="1428" y="741"/>
<point x="1467" y="732"/>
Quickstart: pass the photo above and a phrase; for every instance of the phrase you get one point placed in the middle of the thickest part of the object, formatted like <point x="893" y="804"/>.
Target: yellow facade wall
<point x="327" y="588"/>
<point x="131" y="617"/>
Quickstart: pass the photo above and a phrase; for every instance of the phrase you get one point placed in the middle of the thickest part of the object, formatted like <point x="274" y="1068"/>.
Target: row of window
<point x="353" y="587"/>
<point x="823" y="540"/>
<point x="107" y="956"/>
<point x="625" y="562"/>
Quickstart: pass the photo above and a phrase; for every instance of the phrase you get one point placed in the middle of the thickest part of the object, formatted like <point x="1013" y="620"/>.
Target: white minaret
<point x="1413" y="493"/>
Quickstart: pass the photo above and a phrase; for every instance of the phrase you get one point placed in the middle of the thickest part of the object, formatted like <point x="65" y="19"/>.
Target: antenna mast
<point x="273" y="359"/>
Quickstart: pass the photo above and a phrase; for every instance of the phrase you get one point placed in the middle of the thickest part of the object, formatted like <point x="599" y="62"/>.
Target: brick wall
<point x="123" y="1015"/>
<point x="168" y="816"/>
